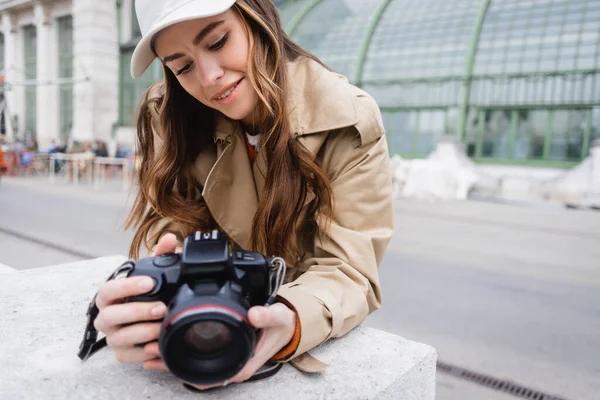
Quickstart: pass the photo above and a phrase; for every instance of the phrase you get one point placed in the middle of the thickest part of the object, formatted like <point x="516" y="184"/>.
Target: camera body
<point x="206" y="257"/>
<point x="205" y="336"/>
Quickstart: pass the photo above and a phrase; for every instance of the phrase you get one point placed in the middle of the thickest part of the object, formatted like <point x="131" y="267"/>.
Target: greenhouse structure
<point x="517" y="81"/>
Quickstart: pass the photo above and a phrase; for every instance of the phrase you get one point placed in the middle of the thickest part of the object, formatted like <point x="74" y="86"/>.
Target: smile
<point x="229" y="91"/>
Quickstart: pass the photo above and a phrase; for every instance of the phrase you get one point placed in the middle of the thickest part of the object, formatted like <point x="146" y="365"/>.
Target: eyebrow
<point x="199" y="37"/>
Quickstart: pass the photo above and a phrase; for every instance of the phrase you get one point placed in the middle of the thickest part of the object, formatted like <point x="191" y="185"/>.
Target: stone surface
<point x="42" y="320"/>
<point x="6" y="269"/>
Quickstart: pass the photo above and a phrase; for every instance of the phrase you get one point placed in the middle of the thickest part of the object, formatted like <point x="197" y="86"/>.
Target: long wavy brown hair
<point x="167" y="186"/>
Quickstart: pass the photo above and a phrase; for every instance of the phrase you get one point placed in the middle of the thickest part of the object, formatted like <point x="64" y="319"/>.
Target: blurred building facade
<point x="59" y="60"/>
<point x="518" y="81"/>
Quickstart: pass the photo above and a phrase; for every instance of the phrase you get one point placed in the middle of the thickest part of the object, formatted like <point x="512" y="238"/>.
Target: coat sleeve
<point x="341" y="286"/>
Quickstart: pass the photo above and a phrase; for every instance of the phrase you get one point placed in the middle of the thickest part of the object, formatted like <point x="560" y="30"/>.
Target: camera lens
<point x="207" y="338"/>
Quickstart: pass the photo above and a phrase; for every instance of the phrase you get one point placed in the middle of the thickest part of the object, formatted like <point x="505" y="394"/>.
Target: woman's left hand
<point x="277" y="322"/>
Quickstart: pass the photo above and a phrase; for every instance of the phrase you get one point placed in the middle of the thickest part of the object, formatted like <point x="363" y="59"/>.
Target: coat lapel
<point x="229" y="190"/>
<point x="259" y="170"/>
<point x="318" y="104"/>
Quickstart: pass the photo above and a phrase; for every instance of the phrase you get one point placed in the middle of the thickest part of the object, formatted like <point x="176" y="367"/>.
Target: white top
<point x="254" y="140"/>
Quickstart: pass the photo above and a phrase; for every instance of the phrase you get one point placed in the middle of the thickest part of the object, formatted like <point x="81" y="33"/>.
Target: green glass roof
<point x="334" y="29"/>
<point x="426" y="53"/>
<point x="428" y="38"/>
<point x="291" y="10"/>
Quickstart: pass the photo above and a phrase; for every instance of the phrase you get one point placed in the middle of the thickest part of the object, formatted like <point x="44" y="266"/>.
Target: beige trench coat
<point x="335" y="285"/>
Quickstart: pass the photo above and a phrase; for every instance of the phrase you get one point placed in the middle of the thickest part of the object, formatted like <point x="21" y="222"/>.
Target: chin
<point x="237" y="114"/>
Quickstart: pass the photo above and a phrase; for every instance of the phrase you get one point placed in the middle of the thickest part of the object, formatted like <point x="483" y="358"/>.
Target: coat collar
<point x="318" y="101"/>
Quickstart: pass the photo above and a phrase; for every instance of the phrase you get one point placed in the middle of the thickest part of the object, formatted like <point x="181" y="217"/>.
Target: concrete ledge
<point x="4" y="269"/>
<point x="42" y="317"/>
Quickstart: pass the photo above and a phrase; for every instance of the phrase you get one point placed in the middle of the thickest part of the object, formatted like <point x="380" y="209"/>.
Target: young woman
<point x="251" y="135"/>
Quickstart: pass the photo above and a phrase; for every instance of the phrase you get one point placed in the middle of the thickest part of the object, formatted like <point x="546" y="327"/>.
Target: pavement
<point x="509" y="290"/>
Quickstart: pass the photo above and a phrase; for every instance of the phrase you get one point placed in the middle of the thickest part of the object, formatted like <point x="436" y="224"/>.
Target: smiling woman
<point x="198" y="52"/>
<point x="251" y="135"/>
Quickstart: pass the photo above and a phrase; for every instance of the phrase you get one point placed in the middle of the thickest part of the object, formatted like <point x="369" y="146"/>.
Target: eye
<point x="183" y="70"/>
<point x="219" y="44"/>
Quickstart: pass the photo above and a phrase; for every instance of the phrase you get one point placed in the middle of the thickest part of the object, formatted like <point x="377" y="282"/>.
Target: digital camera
<point x="205" y="336"/>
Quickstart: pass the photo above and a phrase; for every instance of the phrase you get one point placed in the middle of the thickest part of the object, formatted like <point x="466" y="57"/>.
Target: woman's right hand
<point x="126" y="325"/>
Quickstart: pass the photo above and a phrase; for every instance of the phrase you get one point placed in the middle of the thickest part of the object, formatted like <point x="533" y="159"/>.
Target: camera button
<point x="166" y="260"/>
<point x="155" y="288"/>
<point x="236" y="287"/>
<point x="239" y="255"/>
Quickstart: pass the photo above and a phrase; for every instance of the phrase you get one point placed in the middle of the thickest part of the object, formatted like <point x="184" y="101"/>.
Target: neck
<point x="250" y="123"/>
<point x="250" y="129"/>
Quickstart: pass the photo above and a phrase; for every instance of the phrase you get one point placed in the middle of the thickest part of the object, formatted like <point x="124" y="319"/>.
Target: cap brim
<point x="142" y="54"/>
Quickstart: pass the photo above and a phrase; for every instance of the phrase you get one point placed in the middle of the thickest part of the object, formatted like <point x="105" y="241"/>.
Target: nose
<point x="209" y="72"/>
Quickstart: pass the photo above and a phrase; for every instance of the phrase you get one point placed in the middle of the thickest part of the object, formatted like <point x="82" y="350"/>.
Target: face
<point x="209" y="58"/>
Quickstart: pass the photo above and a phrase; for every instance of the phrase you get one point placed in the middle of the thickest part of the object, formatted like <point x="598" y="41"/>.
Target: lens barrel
<point x="205" y="340"/>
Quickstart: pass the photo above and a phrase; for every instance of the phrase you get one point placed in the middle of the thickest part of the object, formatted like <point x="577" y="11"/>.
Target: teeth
<point x="226" y="94"/>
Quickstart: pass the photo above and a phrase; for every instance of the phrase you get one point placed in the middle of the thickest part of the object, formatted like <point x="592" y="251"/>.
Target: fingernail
<point x="146" y="283"/>
<point x="159" y="310"/>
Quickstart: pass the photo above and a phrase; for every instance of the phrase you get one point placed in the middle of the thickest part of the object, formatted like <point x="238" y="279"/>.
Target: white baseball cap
<point x="155" y="15"/>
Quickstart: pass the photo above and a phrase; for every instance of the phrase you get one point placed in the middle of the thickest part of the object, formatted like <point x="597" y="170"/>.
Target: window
<point x="414" y="132"/>
<point x="29" y="53"/>
<point x="568" y="127"/>
<point x="431" y="128"/>
<point x="65" y="70"/>
<point x="550" y="135"/>
<point x="400" y="128"/>
<point x="336" y="42"/>
<point x="534" y="38"/>
<point x="132" y="89"/>
<point x="136" y="31"/>
<point x="289" y="9"/>
<point x="2" y="53"/>
<point x="425" y="39"/>
<point x="594" y="127"/>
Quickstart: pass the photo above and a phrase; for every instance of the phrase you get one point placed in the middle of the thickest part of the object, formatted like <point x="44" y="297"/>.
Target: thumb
<point x="273" y="315"/>
<point x="166" y="244"/>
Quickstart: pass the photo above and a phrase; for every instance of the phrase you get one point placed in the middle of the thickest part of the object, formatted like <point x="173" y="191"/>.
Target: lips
<point x="226" y="89"/>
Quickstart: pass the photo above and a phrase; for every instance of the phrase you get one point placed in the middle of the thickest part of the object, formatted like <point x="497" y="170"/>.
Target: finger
<point x="132" y="355"/>
<point x="275" y="315"/>
<point x="152" y="348"/>
<point x="260" y="343"/>
<point x="156" y="363"/>
<point x="166" y="244"/>
<point x="132" y="335"/>
<point x="265" y="350"/>
<point x="115" y="290"/>
<point x="128" y="313"/>
<point x="260" y="357"/>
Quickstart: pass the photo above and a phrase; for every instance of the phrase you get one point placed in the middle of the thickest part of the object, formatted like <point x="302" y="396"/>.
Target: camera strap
<point x="90" y="343"/>
<point x="266" y="371"/>
<point x="277" y="277"/>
